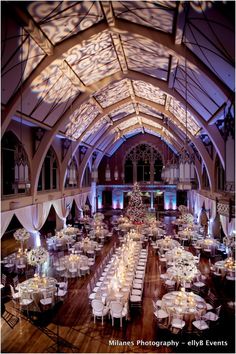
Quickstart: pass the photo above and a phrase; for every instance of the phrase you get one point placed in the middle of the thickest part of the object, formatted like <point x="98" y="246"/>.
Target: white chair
<point x="61" y="293"/>
<point x="200" y="324"/>
<point x="178" y="322"/>
<point x="99" y="309"/>
<point x="213" y="316"/>
<point x="117" y="310"/>
<point x="162" y="317"/>
<point x="47" y="300"/>
<point x="15" y="295"/>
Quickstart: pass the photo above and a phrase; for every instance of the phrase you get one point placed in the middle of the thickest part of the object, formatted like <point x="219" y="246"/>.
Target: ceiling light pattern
<point x="149" y="110"/>
<point x="150" y="122"/>
<point x="176" y="108"/>
<point x="166" y="139"/>
<point x="113" y="93"/>
<point x="52" y="84"/>
<point x="128" y="123"/>
<point x="149" y="92"/>
<point x="122" y="111"/>
<point x="145" y="55"/>
<point x="80" y="119"/>
<point x="95" y="59"/>
<point x="71" y="17"/>
<point x="92" y="133"/>
<point x="20" y="55"/>
<point x="157" y="15"/>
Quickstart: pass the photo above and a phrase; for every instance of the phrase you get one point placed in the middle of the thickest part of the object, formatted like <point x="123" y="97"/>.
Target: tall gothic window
<point x="71" y="175"/>
<point x="205" y="180"/>
<point x="15" y="166"/>
<point x="143" y="163"/>
<point x="220" y="175"/>
<point x="128" y="171"/>
<point x="87" y="178"/>
<point x="48" y="178"/>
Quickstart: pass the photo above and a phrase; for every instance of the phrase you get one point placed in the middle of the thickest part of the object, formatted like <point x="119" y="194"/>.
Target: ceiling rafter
<point x="121" y="26"/>
<point x="179" y="51"/>
<point x="72" y="76"/>
<point x="179" y="23"/>
<point x="199" y="145"/>
<point x="108" y="11"/>
<point x="33" y="29"/>
<point x="48" y="137"/>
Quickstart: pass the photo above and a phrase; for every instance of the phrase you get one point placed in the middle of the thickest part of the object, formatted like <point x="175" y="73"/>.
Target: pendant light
<point x="21" y="169"/>
<point x="186" y="166"/>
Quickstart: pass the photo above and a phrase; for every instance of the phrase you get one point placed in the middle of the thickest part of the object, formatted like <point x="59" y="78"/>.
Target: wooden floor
<point x="78" y="333"/>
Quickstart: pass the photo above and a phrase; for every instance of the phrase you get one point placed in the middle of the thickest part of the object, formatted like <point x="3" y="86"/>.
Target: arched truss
<point x="163" y="41"/>
<point x="153" y="131"/>
<point x="111" y="135"/>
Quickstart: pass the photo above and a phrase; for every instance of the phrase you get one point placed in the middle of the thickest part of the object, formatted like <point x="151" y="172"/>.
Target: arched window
<point x="158" y="165"/>
<point x="220" y="175"/>
<point x="71" y="175"/>
<point x="143" y="163"/>
<point x="205" y="180"/>
<point x="15" y="166"/>
<point x="87" y="178"/>
<point x="48" y="178"/>
<point x="128" y="171"/>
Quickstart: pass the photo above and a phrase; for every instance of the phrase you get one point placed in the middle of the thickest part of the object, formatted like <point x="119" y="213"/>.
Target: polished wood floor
<point x="79" y="334"/>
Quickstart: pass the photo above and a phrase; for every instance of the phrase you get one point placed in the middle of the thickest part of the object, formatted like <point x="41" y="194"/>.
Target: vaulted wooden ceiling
<point x="100" y="72"/>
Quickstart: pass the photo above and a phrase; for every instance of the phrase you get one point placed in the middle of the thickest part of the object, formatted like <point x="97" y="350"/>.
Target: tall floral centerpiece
<point x="135" y="210"/>
<point x="21" y="235"/>
<point x="37" y="257"/>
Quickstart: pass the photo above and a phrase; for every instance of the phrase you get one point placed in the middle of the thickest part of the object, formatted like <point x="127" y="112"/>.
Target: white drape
<point x="33" y="217"/>
<point x="80" y="200"/>
<point x="6" y="217"/>
<point x="228" y="227"/>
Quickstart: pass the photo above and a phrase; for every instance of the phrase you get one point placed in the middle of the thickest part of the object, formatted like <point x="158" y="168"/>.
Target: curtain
<point x="228" y="227"/>
<point x="6" y="217"/>
<point x="80" y="201"/>
<point x="33" y="217"/>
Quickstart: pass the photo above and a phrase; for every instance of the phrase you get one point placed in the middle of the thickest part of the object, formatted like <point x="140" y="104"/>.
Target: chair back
<point x="116" y="307"/>
<point x="97" y="305"/>
<point x="217" y="310"/>
<point x="15" y="281"/>
<point x="12" y="290"/>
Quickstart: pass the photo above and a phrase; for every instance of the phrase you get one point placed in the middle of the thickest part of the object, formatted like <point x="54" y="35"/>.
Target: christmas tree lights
<point x="135" y="210"/>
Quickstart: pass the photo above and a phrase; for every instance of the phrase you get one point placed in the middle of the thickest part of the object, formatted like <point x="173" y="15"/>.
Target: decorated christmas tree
<point x="135" y="210"/>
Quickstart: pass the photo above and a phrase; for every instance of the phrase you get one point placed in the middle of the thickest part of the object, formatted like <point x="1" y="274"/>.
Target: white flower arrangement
<point x="21" y="235"/>
<point x="60" y="234"/>
<point x="184" y="269"/>
<point x="37" y="256"/>
<point x="69" y="230"/>
<point x="98" y="216"/>
<point x="183" y="209"/>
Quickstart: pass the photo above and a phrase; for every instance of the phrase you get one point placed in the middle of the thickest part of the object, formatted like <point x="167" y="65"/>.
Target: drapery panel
<point x="6" y="217"/>
<point x="33" y="217"/>
<point x="80" y="200"/>
<point x="228" y="227"/>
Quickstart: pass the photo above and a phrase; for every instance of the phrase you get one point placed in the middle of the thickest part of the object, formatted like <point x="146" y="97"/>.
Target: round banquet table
<point x="35" y="287"/>
<point x="184" y="303"/>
